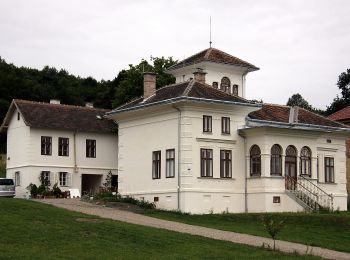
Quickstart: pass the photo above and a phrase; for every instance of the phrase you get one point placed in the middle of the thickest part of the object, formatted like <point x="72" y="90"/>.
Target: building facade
<point x="68" y="145"/>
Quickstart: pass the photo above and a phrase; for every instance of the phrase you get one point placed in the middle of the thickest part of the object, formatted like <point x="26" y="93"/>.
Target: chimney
<point x="293" y="114"/>
<point x="55" y="101"/>
<point x="149" y="84"/>
<point x="89" y="104"/>
<point x="199" y="75"/>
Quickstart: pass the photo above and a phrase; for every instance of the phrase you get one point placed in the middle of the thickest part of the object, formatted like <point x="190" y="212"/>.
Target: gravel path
<point x="130" y="217"/>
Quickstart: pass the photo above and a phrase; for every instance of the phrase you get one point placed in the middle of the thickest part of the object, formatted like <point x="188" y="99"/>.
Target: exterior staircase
<point x="311" y="197"/>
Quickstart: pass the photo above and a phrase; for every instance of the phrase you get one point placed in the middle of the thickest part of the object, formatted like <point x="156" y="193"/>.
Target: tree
<point x="272" y="227"/>
<point x="131" y="81"/>
<point x="344" y="84"/>
<point x="298" y="100"/>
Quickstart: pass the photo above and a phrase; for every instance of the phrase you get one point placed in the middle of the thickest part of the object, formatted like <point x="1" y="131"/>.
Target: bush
<point x="272" y="226"/>
<point x="108" y="196"/>
<point x="56" y="191"/>
<point x="33" y="190"/>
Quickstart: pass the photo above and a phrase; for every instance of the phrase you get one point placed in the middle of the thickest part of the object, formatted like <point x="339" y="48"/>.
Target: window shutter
<point x="69" y="179"/>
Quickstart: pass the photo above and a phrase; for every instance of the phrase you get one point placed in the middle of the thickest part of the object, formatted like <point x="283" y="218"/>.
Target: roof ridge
<point x="58" y="105"/>
<point x="324" y="117"/>
<point x="206" y="56"/>
<point x="182" y="61"/>
<point x="189" y="87"/>
<point x="225" y="53"/>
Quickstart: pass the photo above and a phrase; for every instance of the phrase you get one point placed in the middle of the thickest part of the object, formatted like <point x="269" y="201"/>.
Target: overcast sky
<point x="300" y="46"/>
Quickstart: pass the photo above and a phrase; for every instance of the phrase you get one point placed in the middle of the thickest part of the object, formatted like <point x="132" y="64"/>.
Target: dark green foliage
<point x="33" y="190"/>
<point x="108" y="183"/>
<point x="50" y="83"/>
<point x="56" y="191"/>
<point x="344" y="84"/>
<point x="131" y="80"/>
<point x="2" y="165"/>
<point x="108" y="196"/>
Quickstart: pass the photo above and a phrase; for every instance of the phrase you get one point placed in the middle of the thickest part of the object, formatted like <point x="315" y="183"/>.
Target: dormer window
<point x="225" y="85"/>
<point x="235" y="89"/>
<point x="215" y="84"/>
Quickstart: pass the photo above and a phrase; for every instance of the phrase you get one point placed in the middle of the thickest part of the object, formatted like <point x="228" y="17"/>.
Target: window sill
<point x="212" y="178"/>
<point x="207" y="133"/>
<point x="170" y="177"/>
<point x="331" y="183"/>
<point x="226" y="134"/>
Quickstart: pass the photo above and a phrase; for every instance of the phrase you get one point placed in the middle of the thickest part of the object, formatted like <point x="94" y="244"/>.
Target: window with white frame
<point x="17" y="178"/>
<point x="225" y="125"/>
<point x="225" y="163"/>
<point x="207" y="124"/>
<point x="63" y="178"/>
<point x="45" y="178"/>
<point x="170" y="163"/>
<point x="206" y="162"/>
<point x="329" y="169"/>
<point x="156" y="164"/>
<point x="63" y="146"/>
<point x="305" y="161"/>
<point x="46" y="145"/>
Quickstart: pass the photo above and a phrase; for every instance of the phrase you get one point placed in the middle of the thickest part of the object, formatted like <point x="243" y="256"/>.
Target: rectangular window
<point x="63" y="178"/>
<point x="170" y="163"/>
<point x="206" y="162"/>
<point x="63" y="146"/>
<point x="207" y="124"/>
<point x="225" y="125"/>
<point x="45" y="177"/>
<point x="90" y="148"/>
<point x="46" y="144"/>
<point x="156" y="165"/>
<point x="17" y="178"/>
<point x="226" y="164"/>
<point x="329" y="169"/>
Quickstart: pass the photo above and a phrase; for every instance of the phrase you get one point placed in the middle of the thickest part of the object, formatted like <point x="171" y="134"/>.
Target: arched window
<point x="276" y="160"/>
<point x="305" y="161"/>
<point x="235" y="90"/>
<point x="290" y="167"/>
<point x="225" y="84"/>
<point x="255" y="161"/>
<point x="215" y="84"/>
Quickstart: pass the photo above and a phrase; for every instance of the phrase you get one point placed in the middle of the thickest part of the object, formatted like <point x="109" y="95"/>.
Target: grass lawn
<point x="325" y="230"/>
<point x="32" y="230"/>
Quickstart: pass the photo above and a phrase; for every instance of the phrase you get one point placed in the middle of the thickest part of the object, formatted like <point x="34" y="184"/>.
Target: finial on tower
<point x="210" y="42"/>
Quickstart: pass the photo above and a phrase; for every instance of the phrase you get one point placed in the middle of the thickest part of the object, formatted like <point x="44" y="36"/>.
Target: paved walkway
<point x="130" y="217"/>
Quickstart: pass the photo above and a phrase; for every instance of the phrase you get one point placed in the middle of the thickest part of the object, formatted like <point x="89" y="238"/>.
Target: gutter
<point x="301" y="126"/>
<point x="177" y="99"/>
<point x="178" y="158"/>
<point x="75" y="152"/>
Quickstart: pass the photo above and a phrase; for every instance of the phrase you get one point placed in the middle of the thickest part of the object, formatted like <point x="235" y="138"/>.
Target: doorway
<point x="90" y="183"/>
<point x="291" y="168"/>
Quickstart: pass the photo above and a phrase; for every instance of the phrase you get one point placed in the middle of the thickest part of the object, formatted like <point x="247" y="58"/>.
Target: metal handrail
<point x="311" y="192"/>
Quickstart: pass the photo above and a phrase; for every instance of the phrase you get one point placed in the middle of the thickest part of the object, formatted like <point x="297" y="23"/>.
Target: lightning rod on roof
<point x="210" y="42"/>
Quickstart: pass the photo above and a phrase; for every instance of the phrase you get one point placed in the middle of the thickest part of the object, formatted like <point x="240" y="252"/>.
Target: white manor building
<point x="196" y="146"/>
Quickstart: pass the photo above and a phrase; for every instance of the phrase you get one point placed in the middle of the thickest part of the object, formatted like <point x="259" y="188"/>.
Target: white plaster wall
<point x="317" y="142"/>
<point x="138" y="138"/>
<point x="24" y="153"/>
<point x="30" y="174"/>
<point x="18" y="135"/>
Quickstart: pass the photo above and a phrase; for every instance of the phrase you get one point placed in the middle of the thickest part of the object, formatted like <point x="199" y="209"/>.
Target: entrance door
<point x="90" y="183"/>
<point x="291" y="168"/>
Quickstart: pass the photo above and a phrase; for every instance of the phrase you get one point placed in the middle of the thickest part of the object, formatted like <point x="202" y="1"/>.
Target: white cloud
<point x="300" y="46"/>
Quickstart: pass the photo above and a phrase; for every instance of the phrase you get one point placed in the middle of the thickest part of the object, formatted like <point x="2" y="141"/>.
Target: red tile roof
<point x="213" y="55"/>
<point x="190" y="89"/>
<point x="341" y="115"/>
<point x="63" y="117"/>
<point x="279" y="113"/>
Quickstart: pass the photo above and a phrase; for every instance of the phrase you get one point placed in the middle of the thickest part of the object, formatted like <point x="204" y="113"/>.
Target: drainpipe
<point x="245" y="177"/>
<point x="178" y="158"/>
<point x="75" y="152"/>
